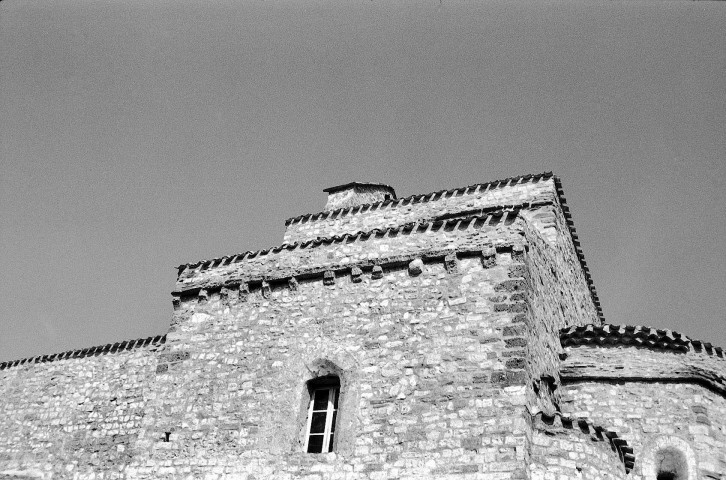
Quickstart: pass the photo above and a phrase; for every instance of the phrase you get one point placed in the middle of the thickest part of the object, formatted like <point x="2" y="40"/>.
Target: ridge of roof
<point x="420" y="197"/>
<point x="88" y="352"/>
<point x="578" y="248"/>
<point x="502" y="212"/>
<point x="608" y="335"/>
<point x="597" y="434"/>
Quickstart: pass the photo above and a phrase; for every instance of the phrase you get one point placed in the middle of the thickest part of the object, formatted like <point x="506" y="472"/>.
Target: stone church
<point x="450" y="335"/>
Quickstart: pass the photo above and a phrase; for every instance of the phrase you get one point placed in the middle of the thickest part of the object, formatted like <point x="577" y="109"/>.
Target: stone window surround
<point x="659" y="444"/>
<point x="345" y="368"/>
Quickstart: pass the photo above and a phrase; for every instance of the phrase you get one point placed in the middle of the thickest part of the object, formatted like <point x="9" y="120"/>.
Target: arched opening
<point x="671" y="464"/>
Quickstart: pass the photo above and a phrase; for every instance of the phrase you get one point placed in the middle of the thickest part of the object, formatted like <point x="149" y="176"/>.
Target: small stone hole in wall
<point x="166" y="436"/>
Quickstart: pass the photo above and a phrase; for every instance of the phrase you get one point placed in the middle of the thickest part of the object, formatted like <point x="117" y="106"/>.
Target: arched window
<point x="670" y="464"/>
<point x="669" y="458"/>
<point x="322" y="414"/>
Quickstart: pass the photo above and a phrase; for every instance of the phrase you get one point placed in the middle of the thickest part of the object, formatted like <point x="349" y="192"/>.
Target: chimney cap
<point x="354" y="194"/>
<point x="351" y="185"/>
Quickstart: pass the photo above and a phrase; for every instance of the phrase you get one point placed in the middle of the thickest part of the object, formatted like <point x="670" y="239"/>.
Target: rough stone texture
<point x="73" y="417"/>
<point x="555" y="298"/>
<point x="566" y="449"/>
<point x="642" y="412"/>
<point x="648" y="394"/>
<point x="425" y="384"/>
<point x="463" y="327"/>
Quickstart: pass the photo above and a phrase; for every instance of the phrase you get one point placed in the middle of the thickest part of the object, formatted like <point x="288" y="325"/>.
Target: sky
<point x="137" y="136"/>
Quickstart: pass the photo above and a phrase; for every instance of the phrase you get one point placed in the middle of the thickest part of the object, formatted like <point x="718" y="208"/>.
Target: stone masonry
<point x="462" y="327"/>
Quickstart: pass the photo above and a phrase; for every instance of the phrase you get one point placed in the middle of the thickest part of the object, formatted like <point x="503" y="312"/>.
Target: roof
<point x="595" y="432"/>
<point x="88" y="352"/>
<point x="634" y="336"/>
<point x="427" y="197"/>
<point x="432" y="197"/>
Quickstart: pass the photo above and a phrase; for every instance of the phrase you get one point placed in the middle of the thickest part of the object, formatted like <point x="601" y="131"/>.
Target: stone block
<point x="415" y="267"/>
<point x="488" y="257"/>
<point x="451" y="263"/>
<point x="355" y="274"/>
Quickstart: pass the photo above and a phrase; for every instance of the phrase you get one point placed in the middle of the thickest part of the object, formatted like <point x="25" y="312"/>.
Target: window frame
<point x="330" y="384"/>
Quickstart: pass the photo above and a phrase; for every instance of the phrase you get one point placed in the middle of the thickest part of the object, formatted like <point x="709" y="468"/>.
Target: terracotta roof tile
<point x="421" y="197"/>
<point x="505" y="214"/>
<point x="634" y="335"/>
<point x="597" y="434"/>
<point x="88" y="352"/>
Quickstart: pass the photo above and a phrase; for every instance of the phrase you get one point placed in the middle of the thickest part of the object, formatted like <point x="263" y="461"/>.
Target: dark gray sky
<point x="139" y="135"/>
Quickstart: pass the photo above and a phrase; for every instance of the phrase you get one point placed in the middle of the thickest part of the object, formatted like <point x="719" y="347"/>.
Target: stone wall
<point x="643" y="412"/>
<point x="652" y="396"/>
<point x="564" y="448"/>
<point x="429" y="390"/>
<point x="75" y="416"/>
<point x="558" y="296"/>
<point x="435" y="367"/>
<point x="447" y="337"/>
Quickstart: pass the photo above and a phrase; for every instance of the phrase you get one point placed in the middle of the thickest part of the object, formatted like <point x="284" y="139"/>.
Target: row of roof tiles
<point x="89" y="352"/>
<point x="373" y="206"/>
<point x="596" y="433"/>
<point x="504" y="214"/>
<point x="634" y="335"/>
<point x="421" y="198"/>
<point x="578" y="249"/>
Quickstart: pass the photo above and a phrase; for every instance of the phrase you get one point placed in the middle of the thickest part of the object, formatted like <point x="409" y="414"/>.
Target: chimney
<point x="357" y="193"/>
